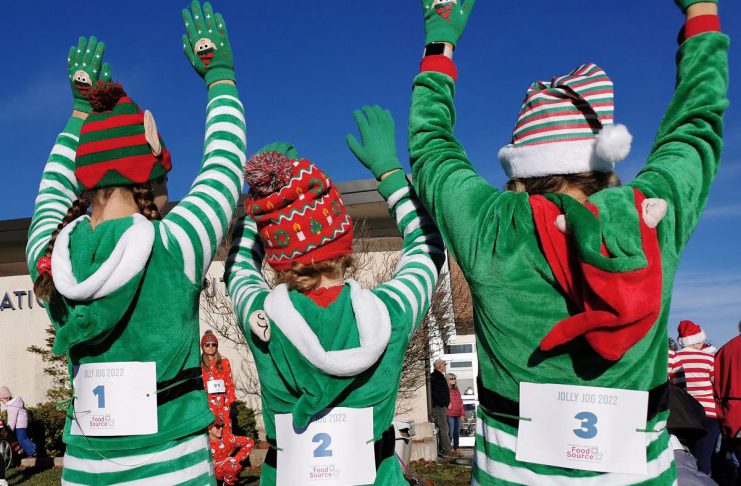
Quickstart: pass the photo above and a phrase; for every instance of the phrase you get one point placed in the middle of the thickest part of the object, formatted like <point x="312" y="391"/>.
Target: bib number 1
<point x="99" y="391"/>
<point x="587" y="429"/>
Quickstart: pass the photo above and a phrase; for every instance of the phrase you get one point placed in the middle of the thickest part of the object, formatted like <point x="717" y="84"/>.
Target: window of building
<point x="461" y="348"/>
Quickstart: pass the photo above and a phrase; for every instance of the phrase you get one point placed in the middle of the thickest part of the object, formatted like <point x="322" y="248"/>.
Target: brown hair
<point x="205" y="362"/>
<point x="586" y="182"/>
<point x="307" y="277"/>
<point x="44" y="285"/>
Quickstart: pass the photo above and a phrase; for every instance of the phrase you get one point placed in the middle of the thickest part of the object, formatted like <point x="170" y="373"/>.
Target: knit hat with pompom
<point x="566" y="126"/>
<point x="119" y="144"/>
<point x="299" y="213"/>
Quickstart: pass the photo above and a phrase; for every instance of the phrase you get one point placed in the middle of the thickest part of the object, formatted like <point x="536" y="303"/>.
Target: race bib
<point x="115" y="399"/>
<point x="336" y="449"/>
<point x="583" y="427"/>
<point x="215" y="386"/>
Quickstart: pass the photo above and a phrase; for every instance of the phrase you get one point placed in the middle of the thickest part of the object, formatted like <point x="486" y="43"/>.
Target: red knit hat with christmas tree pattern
<point x="299" y="214"/>
<point x="119" y="144"/>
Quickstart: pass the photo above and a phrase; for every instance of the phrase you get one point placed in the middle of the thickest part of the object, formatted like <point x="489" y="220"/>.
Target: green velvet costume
<point x="516" y="298"/>
<point x="290" y="379"/>
<point x="147" y="309"/>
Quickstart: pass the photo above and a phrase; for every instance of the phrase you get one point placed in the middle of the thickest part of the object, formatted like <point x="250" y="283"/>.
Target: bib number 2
<point x="324" y="440"/>
<point x="587" y="429"/>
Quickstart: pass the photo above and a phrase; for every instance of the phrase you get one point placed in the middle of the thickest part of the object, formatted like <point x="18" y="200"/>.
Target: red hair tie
<point x="43" y="265"/>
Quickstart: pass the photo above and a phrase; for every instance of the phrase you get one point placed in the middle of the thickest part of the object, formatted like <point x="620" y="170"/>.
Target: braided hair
<point x="143" y="197"/>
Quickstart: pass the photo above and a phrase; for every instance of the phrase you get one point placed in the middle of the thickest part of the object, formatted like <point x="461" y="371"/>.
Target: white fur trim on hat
<point x="600" y="154"/>
<point x="693" y="339"/>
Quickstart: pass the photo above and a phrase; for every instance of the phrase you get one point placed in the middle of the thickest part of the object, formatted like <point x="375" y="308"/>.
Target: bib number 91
<point x="587" y="429"/>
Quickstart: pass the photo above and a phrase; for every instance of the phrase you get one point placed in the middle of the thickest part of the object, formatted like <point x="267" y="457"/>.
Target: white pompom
<point x="613" y="143"/>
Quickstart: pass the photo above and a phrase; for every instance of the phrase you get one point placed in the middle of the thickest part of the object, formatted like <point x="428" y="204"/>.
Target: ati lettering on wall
<point x="19" y="300"/>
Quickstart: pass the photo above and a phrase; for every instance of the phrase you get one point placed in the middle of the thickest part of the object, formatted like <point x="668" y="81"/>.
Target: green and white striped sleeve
<point x="57" y="191"/>
<point x="193" y="230"/>
<point x="243" y="274"/>
<point x="422" y="252"/>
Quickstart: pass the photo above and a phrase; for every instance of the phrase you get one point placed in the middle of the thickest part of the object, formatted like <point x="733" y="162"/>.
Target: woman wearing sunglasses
<point x="217" y="380"/>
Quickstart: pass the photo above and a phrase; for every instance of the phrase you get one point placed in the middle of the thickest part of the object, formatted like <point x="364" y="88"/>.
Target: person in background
<point x="440" y="402"/>
<point x="454" y="413"/>
<point x="727" y="392"/>
<point x="227" y="464"/>
<point x="17" y="419"/>
<point x="685" y="426"/>
<point x="217" y="380"/>
<point x="3" y="481"/>
<point x="693" y="370"/>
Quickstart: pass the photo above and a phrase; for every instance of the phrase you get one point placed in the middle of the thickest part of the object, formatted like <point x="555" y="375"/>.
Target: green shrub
<point x="46" y="428"/>
<point x="244" y="422"/>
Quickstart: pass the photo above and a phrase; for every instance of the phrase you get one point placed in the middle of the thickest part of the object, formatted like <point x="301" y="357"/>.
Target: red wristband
<point x="439" y="64"/>
<point x="700" y="25"/>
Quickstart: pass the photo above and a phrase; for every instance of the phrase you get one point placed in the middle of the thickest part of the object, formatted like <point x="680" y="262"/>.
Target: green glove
<point x="685" y="4"/>
<point x="85" y="67"/>
<point x="206" y="44"/>
<point x="445" y="20"/>
<point x="378" y="152"/>
<point x="284" y="148"/>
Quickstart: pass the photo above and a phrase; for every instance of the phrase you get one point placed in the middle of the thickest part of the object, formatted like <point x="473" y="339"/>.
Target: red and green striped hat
<point x="566" y="127"/>
<point x="113" y="149"/>
<point x="299" y="213"/>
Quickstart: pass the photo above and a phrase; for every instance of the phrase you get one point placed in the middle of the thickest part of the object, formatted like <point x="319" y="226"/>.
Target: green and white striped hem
<point x="184" y="462"/>
<point x="494" y="461"/>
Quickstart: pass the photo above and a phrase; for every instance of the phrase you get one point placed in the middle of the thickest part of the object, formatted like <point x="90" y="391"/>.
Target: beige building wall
<point x="22" y="324"/>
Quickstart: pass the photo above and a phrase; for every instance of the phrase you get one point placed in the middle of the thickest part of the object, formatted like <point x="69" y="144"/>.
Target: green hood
<point x="97" y="273"/>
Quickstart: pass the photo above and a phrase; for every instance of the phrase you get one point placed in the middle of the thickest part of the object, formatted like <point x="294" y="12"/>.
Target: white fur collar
<point x="126" y="260"/>
<point x="374" y="326"/>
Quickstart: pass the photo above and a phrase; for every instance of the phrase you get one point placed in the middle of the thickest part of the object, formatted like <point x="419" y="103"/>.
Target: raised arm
<point x="422" y="252"/>
<point x="686" y="153"/>
<point x="193" y="230"/>
<point x="59" y="188"/>
<point x="243" y="276"/>
<point x="448" y="185"/>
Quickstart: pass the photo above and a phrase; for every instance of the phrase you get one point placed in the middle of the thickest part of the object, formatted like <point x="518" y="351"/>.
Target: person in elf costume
<point x="319" y="340"/>
<point x="598" y="261"/>
<point x="227" y="463"/>
<point x="217" y="380"/>
<point x="108" y="275"/>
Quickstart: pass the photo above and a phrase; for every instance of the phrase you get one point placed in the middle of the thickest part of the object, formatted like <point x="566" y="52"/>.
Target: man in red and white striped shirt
<point x="693" y="368"/>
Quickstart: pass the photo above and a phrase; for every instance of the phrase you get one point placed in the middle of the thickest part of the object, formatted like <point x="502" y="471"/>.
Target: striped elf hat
<point x="566" y="126"/>
<point x="299" y="213"/>
<point x="119" y="144"/>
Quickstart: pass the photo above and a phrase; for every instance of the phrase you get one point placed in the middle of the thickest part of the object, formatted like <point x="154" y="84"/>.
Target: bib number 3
<point x="587" y="429"/>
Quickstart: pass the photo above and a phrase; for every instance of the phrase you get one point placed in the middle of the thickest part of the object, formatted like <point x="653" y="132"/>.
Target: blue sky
<point x="302" y="67"/>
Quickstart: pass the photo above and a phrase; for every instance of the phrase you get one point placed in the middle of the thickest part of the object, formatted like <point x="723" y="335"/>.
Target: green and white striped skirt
<point x="184" y="461"/>
<point x="494" y="461"/>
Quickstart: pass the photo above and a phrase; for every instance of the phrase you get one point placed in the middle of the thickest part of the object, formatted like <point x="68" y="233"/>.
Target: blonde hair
<point x="305" y="278"/>
<point x="587" y="182"/>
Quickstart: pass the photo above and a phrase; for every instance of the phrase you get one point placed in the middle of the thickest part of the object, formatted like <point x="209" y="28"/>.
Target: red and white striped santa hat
<point x="690" y="333"/>
<point x="566" y="126"/>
